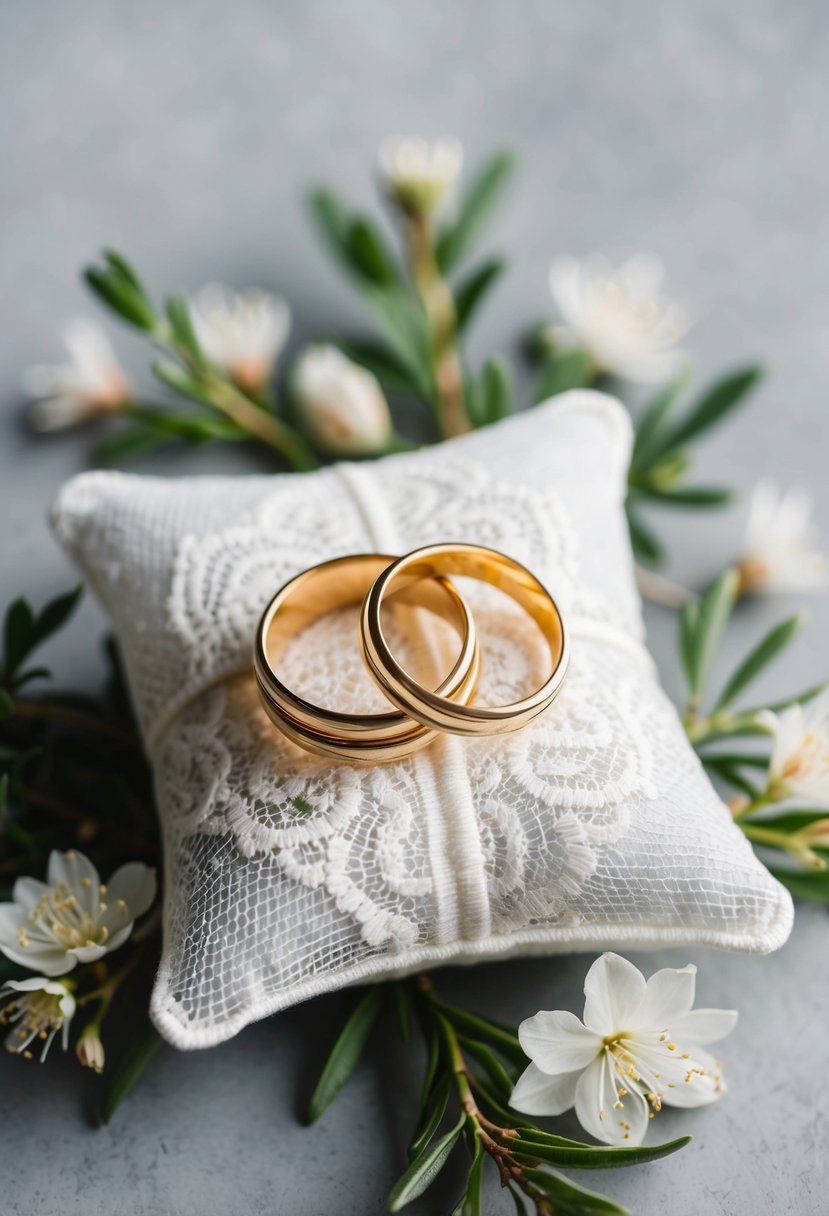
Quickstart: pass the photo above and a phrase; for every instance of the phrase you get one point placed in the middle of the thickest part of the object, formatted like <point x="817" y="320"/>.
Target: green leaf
<point x="194" y="428"/>
<point x="181" y="323"/>
<point x="333" y="221"/>
<point x="369" y="254"/>
<point x="807" y="884"/>
<point x="592" y="1157"/>
<point x="520" y="1208"/>
<point x="18" y="634"/>
<point x="6" y="705"/>
<point x="800" y="698"/>
<point x="472" y="1026"/>
<point x="478" y="204"/>
<point x="715" y="608"/>
<point x="392" y="374"/>
<point x="140" y="1050"/>
<point x="493" y="394"/>
<point x="471" y="291"/>
<point x="470" y="1202"/>
<point x="646" y="546"/>
<point x="701" y="497"/>
<point x="424" y="1169"/>
<point x="561" y="372"/>
<point x="119" y="295"/>
<point x="712" y="408"/>
<point x="404" y="324"/>
<point x="790" y="822"/>
<point x="570" y="1199"/>
<point x="126" y="271"/>
<point x="128" y="443"/>
<point x="492" y="1066"/>
<point x="689" y="623"/>
<point x="650" y="424"/>
<point x="54" y="615"/>
<point x="345" y="1053"/>
<point x="775" y="641"/>
<point x="180" y="381"/>
<point x="425" y="1134"/>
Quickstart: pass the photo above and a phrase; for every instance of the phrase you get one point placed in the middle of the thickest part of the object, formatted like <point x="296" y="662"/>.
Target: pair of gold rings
<point x="419" y="579"/>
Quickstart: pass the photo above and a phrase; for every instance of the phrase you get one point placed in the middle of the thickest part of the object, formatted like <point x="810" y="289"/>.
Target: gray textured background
<point x="186" y="134"/>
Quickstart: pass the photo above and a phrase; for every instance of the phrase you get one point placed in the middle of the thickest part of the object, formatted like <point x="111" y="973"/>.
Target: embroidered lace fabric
<point x="288" y="876"/>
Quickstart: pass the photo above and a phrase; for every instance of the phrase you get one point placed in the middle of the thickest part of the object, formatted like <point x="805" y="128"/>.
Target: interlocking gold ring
<point x="362" y="738"/>
<point x="433" y="709"/>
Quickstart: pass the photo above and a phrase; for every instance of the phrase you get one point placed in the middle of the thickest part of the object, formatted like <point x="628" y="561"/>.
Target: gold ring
<point x="365" y="738"/>
<point x="433" y="709"/>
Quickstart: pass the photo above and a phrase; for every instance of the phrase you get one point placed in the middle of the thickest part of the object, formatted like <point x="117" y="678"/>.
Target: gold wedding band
<point x="364" y="738"/>
<point x="433" y="709"/>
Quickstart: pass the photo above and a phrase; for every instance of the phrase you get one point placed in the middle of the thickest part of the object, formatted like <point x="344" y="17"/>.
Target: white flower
<point x="638" y="1048"/>
<point x="800" y="755"/>
<point x="242" y="333"/>
<point x="618" y="316"/>
<point x="342" y="404"/>
<point x="780" y="551"/>
<point x="90" y="1050"/>
<point x="51" y="927"/>
<point x="92" y="383"/>
<point x="418" y="174"/>
<point x="37" y="1009"/>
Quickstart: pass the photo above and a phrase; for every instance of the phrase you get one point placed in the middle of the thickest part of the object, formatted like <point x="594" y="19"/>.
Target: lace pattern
<point x="288" y="875"/>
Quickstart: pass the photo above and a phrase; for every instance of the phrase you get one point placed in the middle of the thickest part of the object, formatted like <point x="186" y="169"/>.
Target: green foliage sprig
<point x="472" y="1064"/>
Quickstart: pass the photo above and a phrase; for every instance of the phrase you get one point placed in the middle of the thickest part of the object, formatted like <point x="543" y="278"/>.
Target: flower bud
<point x="342" y="405"/>
<point x="89" y="1048"/>
<point x="419" y="175"/>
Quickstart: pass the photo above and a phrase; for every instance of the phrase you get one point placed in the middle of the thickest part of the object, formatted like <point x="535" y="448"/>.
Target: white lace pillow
<point x="287" y="876"/>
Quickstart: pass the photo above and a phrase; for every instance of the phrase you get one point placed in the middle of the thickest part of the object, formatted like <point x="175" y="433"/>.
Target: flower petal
<point x="668" y="993"/>
<point x="614" y="990"/>
<point x="597" y="1110"/>
<point x="80" y="876"/>
<point x="119" y="937"/>
<point x="40" y="956"/>
<point x="539" y="1094"/>
<point x="700" y="1026"/>
<point x="557" y="1041"/>
<point x="88" y="954"/>
<point x="135" y="885"/>
<point x="700" y="1085"/>
<point x="36" y="983"/>
<point x="27" y="893"/>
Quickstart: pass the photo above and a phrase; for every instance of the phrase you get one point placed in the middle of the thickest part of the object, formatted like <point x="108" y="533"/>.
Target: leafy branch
<point x="472" y="1064"/>
<point x="222" y="408"/>
<point x="801" y="834"/>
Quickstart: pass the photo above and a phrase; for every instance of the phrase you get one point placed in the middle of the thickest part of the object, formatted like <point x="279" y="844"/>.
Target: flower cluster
<point x="53" y="928"/>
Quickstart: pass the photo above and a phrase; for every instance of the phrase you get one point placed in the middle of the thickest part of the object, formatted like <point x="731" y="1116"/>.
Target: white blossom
<point x="241" y="332"/>
<point x="89" y="1049"/>
<point x="799" y="765"/>
<point x="73" y="918"/>
<point x="780" y="551"/>
<point x="36" y="1009"/>
<point x="420" y="175"/>
<point x="639" y="1047"/>
<point x="618" y="316"/>
<point x="342" y="404"/>
<point x="90" y="384"/>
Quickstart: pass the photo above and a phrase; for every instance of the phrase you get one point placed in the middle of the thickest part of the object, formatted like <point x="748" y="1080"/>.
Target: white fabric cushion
<point x="288" y="876"/>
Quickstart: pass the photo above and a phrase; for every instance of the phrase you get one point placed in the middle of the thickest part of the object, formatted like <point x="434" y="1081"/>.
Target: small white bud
<point x="342" y="404"/>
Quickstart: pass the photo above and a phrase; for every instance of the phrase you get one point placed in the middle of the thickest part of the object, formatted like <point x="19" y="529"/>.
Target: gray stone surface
<point x="186" y="134"/>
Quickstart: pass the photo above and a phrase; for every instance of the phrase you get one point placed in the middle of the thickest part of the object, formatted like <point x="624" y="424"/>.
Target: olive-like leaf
<point x="714" y="611"/>
<point x="775" y="641"/>
<point x="346" y="1052"/>
<point x="54" y="615"/>
<point x="473" y="1026"/>
<point x="141" y="1048"/>
<point x="477" y="205"/>
<point x="498" y="1075"/>
<point x="570" y="1199"/>
<point x="650" y="424"/>
<point x="804" y="884"/>
<point x="713" y="407"/>
<point x="470" y="293"/>
<point x="470" y="1202"/>
<point x="181" y="323"/>
<point x="592" y="1157"/>
<point x="18" y="631"/>
<point x="646" y="546"/>
<point x="422" y="1172"/>
<point x="561" y="372"/>
<point x="119" y="295"/>
<point x="425" y="1134"/>
<point x="369" y="254"/>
